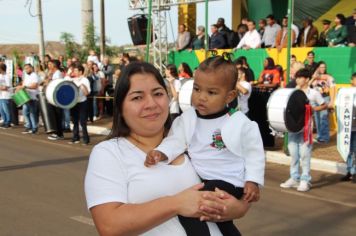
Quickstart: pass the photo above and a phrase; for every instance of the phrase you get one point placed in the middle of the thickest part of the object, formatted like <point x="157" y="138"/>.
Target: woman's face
<point x="337" y="21"/>
<point x="145" y="107"/>
<point x="168" y="73"/>
<point x="265" y="63"/>
<point x="322" y="69"/>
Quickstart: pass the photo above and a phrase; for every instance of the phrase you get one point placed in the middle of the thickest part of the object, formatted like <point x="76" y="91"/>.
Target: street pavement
<point x="41" y="194"/>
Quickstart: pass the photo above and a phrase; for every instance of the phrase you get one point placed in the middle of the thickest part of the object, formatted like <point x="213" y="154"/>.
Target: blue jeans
<point x="322" y="123"/>
<point x="5" y="111"/>
<point x="351" y="159"/>
<point x="30" y="113"/>
<point x="300" y="151"/>
<point x="66" y="120"/>
<point x="95" y="104"/>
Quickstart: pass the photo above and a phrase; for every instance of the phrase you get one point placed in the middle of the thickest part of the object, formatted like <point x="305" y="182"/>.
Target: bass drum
<point x="286" y="110"/>
<point x="62" y="93"/>
<point x="185" y="95"/>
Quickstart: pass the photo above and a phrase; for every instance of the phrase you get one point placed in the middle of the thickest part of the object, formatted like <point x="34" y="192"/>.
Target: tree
<point x="71" y="46"/>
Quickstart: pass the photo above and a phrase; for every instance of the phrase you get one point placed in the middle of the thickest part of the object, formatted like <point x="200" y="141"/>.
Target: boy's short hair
<point x="353" y="75"/>
<point x="303" y="73"/>
<point x="222" y="67"/>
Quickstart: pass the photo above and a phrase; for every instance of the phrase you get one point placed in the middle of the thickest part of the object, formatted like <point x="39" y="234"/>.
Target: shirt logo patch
<point x="217" y="140"/>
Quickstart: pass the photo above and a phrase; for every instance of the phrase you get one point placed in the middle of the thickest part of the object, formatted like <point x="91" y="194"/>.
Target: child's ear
<point x="231" y="95"/>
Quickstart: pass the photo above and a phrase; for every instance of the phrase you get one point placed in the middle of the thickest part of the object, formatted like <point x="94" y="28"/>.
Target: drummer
<point x="30" y="109"/>
<point x="300" y="143"/>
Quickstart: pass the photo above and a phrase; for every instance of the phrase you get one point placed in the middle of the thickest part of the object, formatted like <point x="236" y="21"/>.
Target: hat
<point x="326" y="22"/>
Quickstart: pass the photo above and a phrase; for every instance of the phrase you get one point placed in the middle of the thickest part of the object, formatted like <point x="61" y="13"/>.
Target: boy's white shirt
<point x="240" y="135"/>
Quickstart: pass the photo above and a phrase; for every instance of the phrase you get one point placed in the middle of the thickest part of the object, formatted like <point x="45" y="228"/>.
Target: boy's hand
<point x="153" y="157"/>
<point x="251" y="192"/>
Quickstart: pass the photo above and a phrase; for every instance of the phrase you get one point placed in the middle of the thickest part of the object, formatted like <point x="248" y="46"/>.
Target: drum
<point x="62" y="93"/>
<point x="47" y="114"/>
<point x="21" y="97"/>
<point x="185" y="95"/>
<point x="286" y="110"/>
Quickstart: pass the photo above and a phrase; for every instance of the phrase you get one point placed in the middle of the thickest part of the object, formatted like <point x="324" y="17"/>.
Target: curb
<point x="271" y="156"/>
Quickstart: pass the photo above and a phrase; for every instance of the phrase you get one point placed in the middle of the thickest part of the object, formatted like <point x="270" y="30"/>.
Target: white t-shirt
<point x="213" y="162"/>
<point x="314" y="96"/>
<point x="57" y="75"/>
<point x="174" y="105"/>
<point x="5" y="80"/>
<point x="30" y="79"/>
<point x="116" y="174"/>
<point x="251" y="39"/>
<point x="82" y="81"/>
<point x="243" y="98"/>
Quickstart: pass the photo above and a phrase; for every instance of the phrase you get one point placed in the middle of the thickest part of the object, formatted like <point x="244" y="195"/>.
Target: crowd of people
<point x="95" y="80"/>
<point x="271" y="34"/>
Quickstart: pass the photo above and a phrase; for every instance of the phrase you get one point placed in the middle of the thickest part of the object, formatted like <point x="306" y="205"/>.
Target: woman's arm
<point x="240" y="88"/>
<point x="133" y="219"/>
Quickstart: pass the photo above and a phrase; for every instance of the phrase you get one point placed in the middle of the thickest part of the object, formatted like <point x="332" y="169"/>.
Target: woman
<point x="126" y="198"/>
<point x="270" y="77"/>
<point x="184" y="71"/>
<point x="198" y="40"/>
<point x="174" y="87"/>
<point x="244" y="90"/>
<point x="325" y="84"/>
<point x="338" y="34"/>
<point x="294" y="67"/>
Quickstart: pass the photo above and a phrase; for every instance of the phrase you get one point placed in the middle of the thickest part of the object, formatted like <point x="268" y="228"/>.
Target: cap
<point x="326" y="22"/>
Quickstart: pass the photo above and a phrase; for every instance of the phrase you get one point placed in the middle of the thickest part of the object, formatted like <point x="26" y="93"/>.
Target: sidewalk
<point x="325" y="157"/>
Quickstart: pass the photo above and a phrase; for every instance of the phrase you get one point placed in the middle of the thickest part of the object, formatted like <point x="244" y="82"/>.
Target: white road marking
<point x="83" y="219"/>
<point x="307" y="195"/>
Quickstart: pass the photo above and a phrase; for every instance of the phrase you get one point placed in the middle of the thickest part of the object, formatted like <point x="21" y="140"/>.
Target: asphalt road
<point x="41" y="194"/>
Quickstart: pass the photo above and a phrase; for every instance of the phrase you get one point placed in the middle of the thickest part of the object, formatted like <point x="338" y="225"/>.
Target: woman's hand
<point x="232" y="207"/>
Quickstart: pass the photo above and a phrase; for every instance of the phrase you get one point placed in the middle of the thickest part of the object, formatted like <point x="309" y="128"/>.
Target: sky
<point x="17" y="26"/>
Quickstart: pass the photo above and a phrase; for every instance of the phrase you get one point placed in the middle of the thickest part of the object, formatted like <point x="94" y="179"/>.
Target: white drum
<point x="62" y="93"/>
<point x="286" y="110"/>
<point x="185" y="95"/>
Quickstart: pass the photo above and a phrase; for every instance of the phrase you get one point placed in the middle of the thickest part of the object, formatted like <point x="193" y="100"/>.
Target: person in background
<point x="309" y="34"/>
<point x="270" y="77"/>
<point x="55" y="74"/>
<point x="98" y="89"/>
<point x="251" y="38"/>
<point x="198" y="41"/>
<point x="217" y="40"/>
<point x="184" y="72"/>
<point x="261" y="29"/>
<point x="5" y="96"/>
<point x="30" y="109"/>
<point x="108" y="70"/>
<point x="241" y="31"/>
<point x="116" y="77"/>
<point x="244" y="90"/>
<point x="322" y="37"/>
<point x="325" y="84"/>
<point x="271" y="30"/>
<point x="174" y="86"/>
<point x="93" y="57"/>
<point x="47" y="59"/>
<point x="310" y="63"/>
<point x="80" y="111"/>
<point x="337" y="36"/>
<point x="223" y="29"/>
<point x="249" y="74"/>
<point x="300" y="143"/>
<point x="294" y="67"/>
<point x="183" y="39"/>
<point x="351" y="29"/>
<point x="282" y="35"/>
<point x="351" y="158"/>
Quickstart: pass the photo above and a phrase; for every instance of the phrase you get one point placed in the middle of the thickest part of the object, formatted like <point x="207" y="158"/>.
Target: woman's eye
<point x="136" y="98"/>
<point x="159" y="94"/>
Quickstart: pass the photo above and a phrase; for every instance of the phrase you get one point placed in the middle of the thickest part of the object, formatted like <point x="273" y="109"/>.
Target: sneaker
<point x="347" y="177"/>
<point x="3" y="126"/>
<point x="67" y="130"/>
<point x="303" y="186"/>
<point x="354" y="178"/>
<point x="55" y="137"/>
<point x="290" y="183"/>
<point x="34" y="131"/>
<point x="74" y="142"/>
<point x="27" y="131"/>
<point x="85" y="143"/>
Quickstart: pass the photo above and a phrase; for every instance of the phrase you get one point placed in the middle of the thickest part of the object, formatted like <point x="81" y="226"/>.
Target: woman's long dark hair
<point x="186" y="69"/>
<point x="173" y="70"/>
<point x="119" y="126"/>
<point x="322" y="63"/>
<point x="270" y="64"/>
